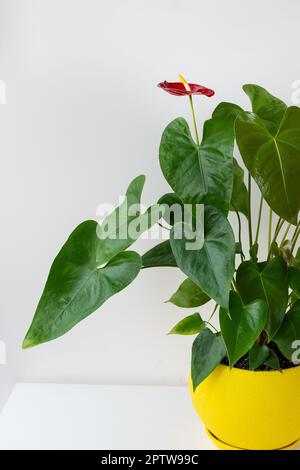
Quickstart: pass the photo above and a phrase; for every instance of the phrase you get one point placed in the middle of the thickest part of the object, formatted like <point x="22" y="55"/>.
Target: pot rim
<point x="236" y="370"/>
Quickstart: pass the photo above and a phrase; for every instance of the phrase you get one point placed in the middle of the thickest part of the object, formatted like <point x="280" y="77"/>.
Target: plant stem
<point x="194" y="119"/>
<point x="259" y="219"/>
<point x="162" y="226"/>
<point x="270" y="229"/>
<point x="249" y="208"/>
<point x="285" y="234"/>
<point x="213" y="312"/>
<point x="295" y="231"/>
<point x="278" y="227"/>
<point x="239" y="232"/>
<point x="207" y="322"/>
<point x="295" y="237"/>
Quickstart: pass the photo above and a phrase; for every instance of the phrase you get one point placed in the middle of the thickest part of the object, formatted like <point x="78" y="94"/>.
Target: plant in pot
<point x="245" y="381"/>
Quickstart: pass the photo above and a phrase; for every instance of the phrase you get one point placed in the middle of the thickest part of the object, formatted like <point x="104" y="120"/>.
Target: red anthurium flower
<point x="180" y="89"/>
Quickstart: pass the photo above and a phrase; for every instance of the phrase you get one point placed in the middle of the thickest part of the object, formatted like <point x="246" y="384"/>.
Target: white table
<point x="50" y="416"/>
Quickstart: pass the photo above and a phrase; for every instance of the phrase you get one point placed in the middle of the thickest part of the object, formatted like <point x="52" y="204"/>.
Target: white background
<point x="83" y="117"/>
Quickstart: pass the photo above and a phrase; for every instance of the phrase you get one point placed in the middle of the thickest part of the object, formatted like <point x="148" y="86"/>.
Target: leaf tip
<point x="27" y="343"/>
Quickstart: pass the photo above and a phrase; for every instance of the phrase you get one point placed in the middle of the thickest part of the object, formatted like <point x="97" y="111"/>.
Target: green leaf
<point x="268" y="282"/>
<point x="207" y="352"/>
<point x="269" y="108"/>
<point x="76" y="286"/>
<point x="190" y="325"/>
<point x="227" y="110"/>
<point x="243" y="326"/>
<point x="258" y="355"/>
<point x="211" y="267"/>
<point x="294" y="279"/>
<point x="273" y="361"/>
<point x="125" y="224"/>
<point x="273" y="161"/>
<point x="160" y="255"/>
<point x="239" y="197"/>
<point x="289" y="331"/>
<point x="199" y="175"/>
<point x="189" y="295"/>
<point x="174" y="210"/>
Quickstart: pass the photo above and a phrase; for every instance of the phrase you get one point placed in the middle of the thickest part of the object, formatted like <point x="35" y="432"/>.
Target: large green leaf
<point x="269" y="108"/>
<point x="289" y="331"/>
<point x="239" y="197"/>
<point x="199" y="174"/>
<point x="273" y="160"/>
<point x="268" y="282"/>
<point x="125" y="224"/>
<point x="207" y="352"/>
<point x="189" y="295"/>
<point x="77" y="286"/>
<point x="190" y="325"/>
<point x="211" y="267"/>
<point x="242" y="326"/>
<point x="160" y="255"/>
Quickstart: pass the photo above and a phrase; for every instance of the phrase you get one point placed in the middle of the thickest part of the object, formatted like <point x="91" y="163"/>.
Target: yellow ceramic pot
<point x="243" y="409"/>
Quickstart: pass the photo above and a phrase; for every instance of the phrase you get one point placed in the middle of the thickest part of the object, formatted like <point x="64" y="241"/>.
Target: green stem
<point x="240" y="231"/>
<point x="278" y="227"/>
<point x="259" y="219"/>
<point x="212" y="326"/>
<point x="270" y="229"/>
<point x="213" y="312"/>
<point x="194" y="120"/>
<point x="295" y="238"/>
<point x="285" y="234"/>
<point x="295" y="231"/>
<point x="249" y="208"/>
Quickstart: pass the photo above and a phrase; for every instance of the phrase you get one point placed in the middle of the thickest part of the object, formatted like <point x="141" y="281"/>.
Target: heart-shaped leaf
<point x="273" y="160"/>
<point x="268" y="282"/>
<point x="77" y="286"/>
<point x="189" y="295"/>
<point x="207" y="352"/>
<point x="242" y="326"/>
<point x="190" y="325"/>
<point x="289" y="331"/>
<point x="211" y="267"/>
<point x="199" y="174"/>
<point x="159" y="255"/>
<point x="266" y="106"/>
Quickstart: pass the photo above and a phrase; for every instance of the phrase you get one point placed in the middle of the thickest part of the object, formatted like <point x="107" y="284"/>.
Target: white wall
<point x="83" y="117"/>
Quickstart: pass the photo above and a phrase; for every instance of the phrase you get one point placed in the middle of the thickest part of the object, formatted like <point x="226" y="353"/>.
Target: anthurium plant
<point x="255" y="289"/>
